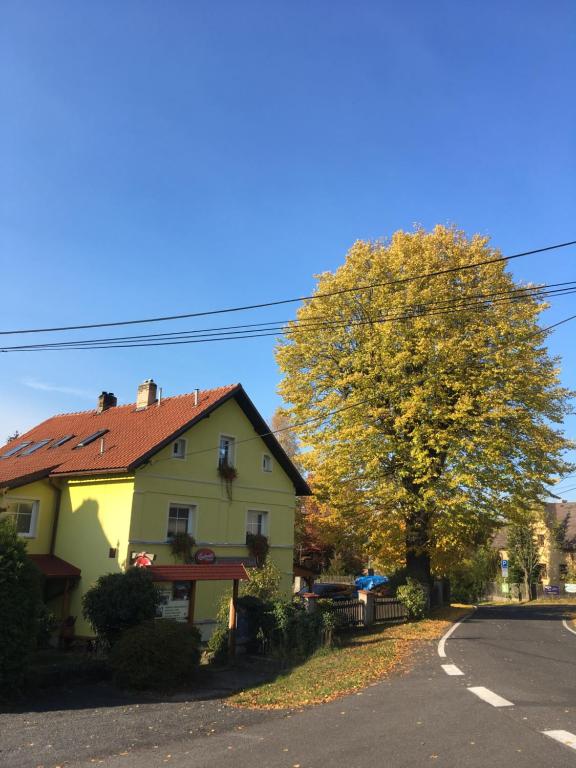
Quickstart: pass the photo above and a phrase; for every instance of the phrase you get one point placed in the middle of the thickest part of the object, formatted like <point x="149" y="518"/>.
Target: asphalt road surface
<point x="504" y="694"/>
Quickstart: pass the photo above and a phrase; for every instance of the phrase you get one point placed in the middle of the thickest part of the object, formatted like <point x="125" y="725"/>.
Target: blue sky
<point x="159" y="158"/>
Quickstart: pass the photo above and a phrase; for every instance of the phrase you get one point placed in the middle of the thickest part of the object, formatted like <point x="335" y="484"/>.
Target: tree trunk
<point x="418" y="548"/>
<point x="527" y="588"/>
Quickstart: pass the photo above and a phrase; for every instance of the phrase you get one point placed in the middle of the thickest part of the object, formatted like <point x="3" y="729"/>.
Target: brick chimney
<point x="106" y="400"/>
<point x="146" y="394"/>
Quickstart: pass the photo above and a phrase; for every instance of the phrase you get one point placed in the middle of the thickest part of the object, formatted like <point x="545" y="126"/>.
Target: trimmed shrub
<point x="119" y="601"/>
<point x="218" y="645"/>
<point x="413" y="597"/>
<point x="19" y="604"/>
<point x="158" y="655"/>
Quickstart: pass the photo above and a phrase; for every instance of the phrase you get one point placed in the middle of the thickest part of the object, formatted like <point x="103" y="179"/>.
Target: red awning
<point x="215" y="572"/>
<point x="54" y="567"/>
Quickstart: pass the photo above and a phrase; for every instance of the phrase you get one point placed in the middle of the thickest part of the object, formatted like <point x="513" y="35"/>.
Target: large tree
<point x="434" y="400"/>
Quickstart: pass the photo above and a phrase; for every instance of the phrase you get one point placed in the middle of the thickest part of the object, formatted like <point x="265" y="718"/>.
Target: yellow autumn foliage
<point x="434" y="400"/>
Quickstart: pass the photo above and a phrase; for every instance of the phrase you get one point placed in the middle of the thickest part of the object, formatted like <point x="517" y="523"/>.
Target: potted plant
<point x="181" y="546"/>
<point x="228" y="474"/>
<point x="258" y="546"/>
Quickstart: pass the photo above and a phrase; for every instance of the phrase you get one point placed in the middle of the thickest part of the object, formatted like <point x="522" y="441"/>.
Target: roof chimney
<point x="146" y="394"/>
<point x="106" y="400"/>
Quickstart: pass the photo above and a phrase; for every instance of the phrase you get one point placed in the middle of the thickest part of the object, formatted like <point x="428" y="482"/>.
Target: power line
<point x="529" y="291"/>
<point x="262" y="330"/>
<point x="324" y="416"/>
<point x="289" y="301"/>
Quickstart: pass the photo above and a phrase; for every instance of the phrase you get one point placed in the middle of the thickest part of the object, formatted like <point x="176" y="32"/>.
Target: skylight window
<point x="35" y="447"/>
<point x="16" y="448"/>
<point x="91" y="438"/>
<point x="61" y="441"/>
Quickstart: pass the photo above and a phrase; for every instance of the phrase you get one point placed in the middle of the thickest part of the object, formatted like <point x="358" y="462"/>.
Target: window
<point x="91" y="438"/>
<point x="61" y="441"/>
<point x="35" y="447"/>
<point x="266" y="463"/>
<point x="226" y="451"/>
<point x="179" y="449"/>
<point x="24" y="514"/>
<point x="180" y="519"/>
<point x="14" y="450"/>
<point x="257" y="523"/>
<point x="563" y="571"/>
<point x="540" y="539"/>
<point x="542" y="571"/>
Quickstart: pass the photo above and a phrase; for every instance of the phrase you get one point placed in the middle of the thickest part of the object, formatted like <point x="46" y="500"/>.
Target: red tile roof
<point x="132" y="437"/>
<point x="215" y="572"/>
<point x="54" y="567"/>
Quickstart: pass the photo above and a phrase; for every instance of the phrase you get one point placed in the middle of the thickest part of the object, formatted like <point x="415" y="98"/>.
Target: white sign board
<point x="177" y="610"/>
<point x="504" y="569"/>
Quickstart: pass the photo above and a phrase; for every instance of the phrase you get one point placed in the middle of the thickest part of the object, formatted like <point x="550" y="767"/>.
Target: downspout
<point x="57" y="500"/>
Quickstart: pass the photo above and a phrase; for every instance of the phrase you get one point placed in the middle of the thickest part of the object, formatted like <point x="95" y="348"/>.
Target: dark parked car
<point x="330" y="590"/>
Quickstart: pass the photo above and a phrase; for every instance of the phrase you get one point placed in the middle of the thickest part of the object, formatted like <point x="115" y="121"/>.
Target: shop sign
<point x="205" y="557"/>
<point x="142" y="559"/>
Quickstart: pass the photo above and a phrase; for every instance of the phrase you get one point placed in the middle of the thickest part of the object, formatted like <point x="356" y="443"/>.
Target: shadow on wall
<point x="81" y="541"/>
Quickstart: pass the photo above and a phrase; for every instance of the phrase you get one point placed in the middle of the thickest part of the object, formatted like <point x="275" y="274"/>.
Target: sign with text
<point x="205" y="557"/>
<point x="552" y="589"/>
<point x="504" y="565"/>
<point x="173" y="604"/>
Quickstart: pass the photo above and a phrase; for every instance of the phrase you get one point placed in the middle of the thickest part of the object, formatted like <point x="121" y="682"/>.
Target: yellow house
<point x="90" y="491"/>
<point x="555" y="532"/>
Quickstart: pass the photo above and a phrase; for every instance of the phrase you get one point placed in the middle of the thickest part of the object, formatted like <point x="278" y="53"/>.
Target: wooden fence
<point x="348" y="612"/>
<point x="388" y="609"/>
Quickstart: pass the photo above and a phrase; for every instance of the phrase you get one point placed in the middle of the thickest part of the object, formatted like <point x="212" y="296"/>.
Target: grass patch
<point x="362" y="658"/>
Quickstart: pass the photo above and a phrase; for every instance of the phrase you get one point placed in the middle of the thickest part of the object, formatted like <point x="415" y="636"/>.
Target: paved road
<point x="425" y="717"/>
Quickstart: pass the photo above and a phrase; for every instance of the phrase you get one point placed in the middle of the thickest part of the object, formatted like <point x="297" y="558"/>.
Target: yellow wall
<point x="44" y="493"/>
<point x="131" y="513"/>
<point x="94" y="517"/>
<point x="220" y="523"/>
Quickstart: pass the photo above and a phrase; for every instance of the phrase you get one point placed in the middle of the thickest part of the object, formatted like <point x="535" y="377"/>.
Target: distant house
<point x="556" y="540"/>
<point x="92" y="491"/>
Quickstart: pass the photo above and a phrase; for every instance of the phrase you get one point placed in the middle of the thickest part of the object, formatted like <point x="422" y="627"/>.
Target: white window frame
<point x="265" y="521"/>
<point x="223" y="436"/>
<point x="193" y="510"/>
<point x="33" y="519"/>
<point x="270" y="462"/>
<point x="181" y="441"/>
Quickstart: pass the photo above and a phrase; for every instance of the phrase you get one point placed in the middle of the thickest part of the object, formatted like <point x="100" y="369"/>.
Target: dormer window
<point x="226" y="452"/>
<point x="179" y="449"/>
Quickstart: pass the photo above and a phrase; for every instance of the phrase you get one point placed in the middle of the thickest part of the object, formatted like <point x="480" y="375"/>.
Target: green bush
<point x="413" y="597"/>
<point x="119" y="601"/>
<point x="218" y="644"/>
<point x="397" y="579"/>
<point x="46" y="625"/>
<point x="19" y="602"/>
<point x="158" y="655"/>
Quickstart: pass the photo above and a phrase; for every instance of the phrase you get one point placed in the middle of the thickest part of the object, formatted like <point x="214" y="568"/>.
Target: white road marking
<point x="565" y="623"/>
<point x="446" y="635"/>
<point x="564" y="737"/>
<point x="492" y="698"/>
<point x="451" y="669"/>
